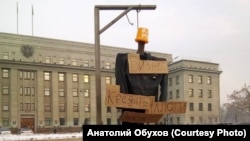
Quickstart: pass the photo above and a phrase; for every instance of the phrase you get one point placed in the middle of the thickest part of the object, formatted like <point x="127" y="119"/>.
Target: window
<point x="26" y="74"/>
<point x="177" y="93"/>
<point x="192" y="120"/>
<point x="191" y="92"/>
<point x="209" y="93"/>
<point x="178" y="120"/>
<point x="47" y="91"/>
<point x="170" y="120"/>
<point x="5" y="89"/>
<point x="5" y="106"/>
<point x="86" y="78"/>
<point x="61" y="92"/>
<point x="119" y="121"/>
<point x="32" y="75"/>
<point x="191" y="106"/>
<point x="61" y="61"/>
<point x="32" y="89"/>
<point x="87" y="121"/>
<point x="107" y="65"/>
<point x="108" y="109"/>
<point x="200" y="107"/>
<point x="62" y="121"/>
<point x="86" y="108"/>
<point x="47" y="108"/>
<point x="118" y="110"/>
<point x="209" y="106"/>
<point x="108" y="80"/>
<point x="5" y="73"/>
<point x="21" y="91"/>
<point x="6" y="55"/>
<point x="75" y="121"/>
<point x="200" y="79"/>
<point x="6" y="122"/>
<point x="190" y="78"/>
<point x="86" y="63"/>
<point x="170" y="94"/>
<point x="200" y="92"/>
<point x="74" y="77"/>
<point x="46" y="75"/>
<point x="75" y="92"/>
<point x="177" y="80"/>
<point x="61" y="76"/>
<point x="47" y="122"/>
<point x="108" y="121"/>
<point x="61" y="107"/>
<point x="209" y="80"/>
<point x="74" y="62"/>
<point x="216" y="119"/>
<point x="26" y="107"/>
<point x="20" y="74"/>
<point x="27" y="91"/>
<point x="170" y="81"/>
<point x="75" y="107"/>
<point x="86" y="93"/>
<point x="48" y="59"/>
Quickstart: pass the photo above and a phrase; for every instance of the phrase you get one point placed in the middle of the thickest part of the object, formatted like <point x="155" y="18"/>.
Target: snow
<point x="15" y="137"/>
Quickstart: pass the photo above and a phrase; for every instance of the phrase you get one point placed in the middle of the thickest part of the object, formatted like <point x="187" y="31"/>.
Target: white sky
<point x="209" y="30"/>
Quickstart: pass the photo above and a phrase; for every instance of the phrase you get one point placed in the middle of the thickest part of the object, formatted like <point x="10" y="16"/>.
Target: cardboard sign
<point x="174" y="107"/>
<point x="146" y="66"/>
<point x="117" y="99"/>
<point x="136" y="117"/>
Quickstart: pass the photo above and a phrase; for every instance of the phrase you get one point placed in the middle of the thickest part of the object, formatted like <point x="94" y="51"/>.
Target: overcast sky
<point x="209" y="30"/>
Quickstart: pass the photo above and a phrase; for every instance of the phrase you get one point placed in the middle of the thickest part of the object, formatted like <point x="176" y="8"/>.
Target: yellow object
<point x="142" y="35"/>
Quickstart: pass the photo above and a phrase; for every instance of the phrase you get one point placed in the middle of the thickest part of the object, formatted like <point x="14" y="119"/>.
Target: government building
<point x="47" y="83"/>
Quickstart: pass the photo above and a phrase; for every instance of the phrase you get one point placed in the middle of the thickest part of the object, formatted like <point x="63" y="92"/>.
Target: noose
<point x="138" y="11"/>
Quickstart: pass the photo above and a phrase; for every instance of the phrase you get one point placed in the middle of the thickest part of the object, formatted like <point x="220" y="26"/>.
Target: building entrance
<point x="28" y="121"/>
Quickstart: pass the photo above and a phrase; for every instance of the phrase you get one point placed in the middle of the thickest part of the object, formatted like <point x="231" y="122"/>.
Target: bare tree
<point x="239" y="102"/>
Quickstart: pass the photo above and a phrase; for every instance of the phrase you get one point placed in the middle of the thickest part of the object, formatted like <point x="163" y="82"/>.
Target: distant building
<point x="197" y="83"/>
<point x="47" y="83"/>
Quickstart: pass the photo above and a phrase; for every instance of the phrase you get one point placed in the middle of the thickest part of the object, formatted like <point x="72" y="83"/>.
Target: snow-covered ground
<point x="15" y="137"/>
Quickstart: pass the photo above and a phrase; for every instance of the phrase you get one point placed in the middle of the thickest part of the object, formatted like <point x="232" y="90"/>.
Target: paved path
<point x="58" y="140"/>
<point x="43" y="137"/>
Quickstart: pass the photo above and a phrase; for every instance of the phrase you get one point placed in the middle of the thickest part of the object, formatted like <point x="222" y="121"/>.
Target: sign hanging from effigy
<point x="146" y="66"/>
<point x="117" y="99"/>
<point x="136" y="117"/>
<point x="174" y="107"/>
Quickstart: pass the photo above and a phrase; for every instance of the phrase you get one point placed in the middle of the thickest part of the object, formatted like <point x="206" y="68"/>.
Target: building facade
<point x="197" y="83"/>
<point x="47" y="83"/>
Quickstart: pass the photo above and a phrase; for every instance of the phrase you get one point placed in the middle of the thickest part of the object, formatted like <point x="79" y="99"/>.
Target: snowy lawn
<point x="15" y="137"/>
